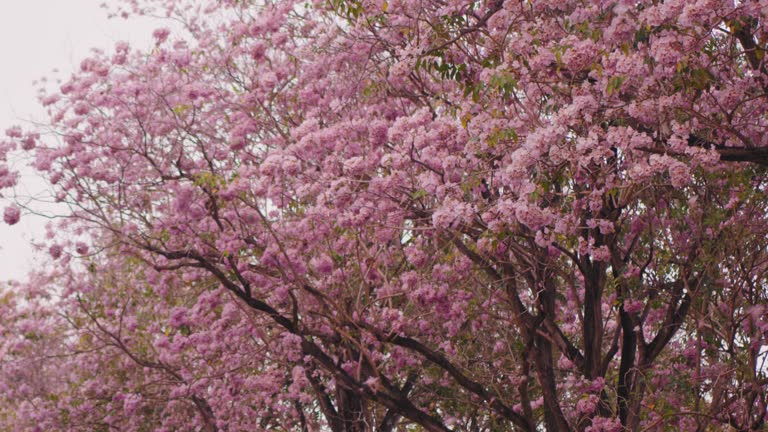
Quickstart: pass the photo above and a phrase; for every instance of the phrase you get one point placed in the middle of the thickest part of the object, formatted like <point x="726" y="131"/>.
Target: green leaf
<point x="614" y="84"/>
<point x="701" y="78"/>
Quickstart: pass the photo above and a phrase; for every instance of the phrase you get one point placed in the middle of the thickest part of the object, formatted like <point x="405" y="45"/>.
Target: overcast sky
<point x="37" y="36"/>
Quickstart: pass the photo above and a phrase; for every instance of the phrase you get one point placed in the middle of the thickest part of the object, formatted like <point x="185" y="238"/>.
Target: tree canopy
<point x="380" y="215"/>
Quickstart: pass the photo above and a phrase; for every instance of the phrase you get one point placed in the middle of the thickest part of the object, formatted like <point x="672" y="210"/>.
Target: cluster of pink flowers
<point x="439" y="215"/>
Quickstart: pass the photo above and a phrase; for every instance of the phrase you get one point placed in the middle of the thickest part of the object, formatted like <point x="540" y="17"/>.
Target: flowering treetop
<point x="363" y="215"/>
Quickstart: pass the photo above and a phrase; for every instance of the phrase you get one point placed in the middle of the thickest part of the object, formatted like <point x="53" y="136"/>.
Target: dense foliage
<point x="354" y="215"/>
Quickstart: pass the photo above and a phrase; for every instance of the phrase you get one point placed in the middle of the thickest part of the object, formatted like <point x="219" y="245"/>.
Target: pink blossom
<point x="14" y="132"/>
<point x="11" y="215"/>
<point x="587" y="405"/>
<point x="81" y="248"/>
<point x="322" y="264"/>
<point x="161" y="34"/>
<point x="55" y="251"/>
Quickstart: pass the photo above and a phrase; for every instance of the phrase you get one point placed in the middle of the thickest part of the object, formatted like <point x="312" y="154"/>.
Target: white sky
<point x="37" y="36"/>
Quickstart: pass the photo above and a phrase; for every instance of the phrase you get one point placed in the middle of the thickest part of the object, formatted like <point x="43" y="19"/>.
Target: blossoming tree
<point x="355" y="215"/>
